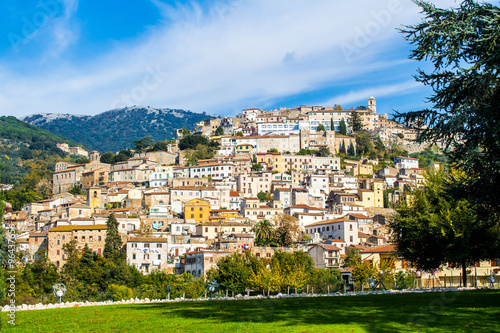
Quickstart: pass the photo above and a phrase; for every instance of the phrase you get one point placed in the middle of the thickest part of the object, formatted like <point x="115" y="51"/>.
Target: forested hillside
<point x="115" y="130"/>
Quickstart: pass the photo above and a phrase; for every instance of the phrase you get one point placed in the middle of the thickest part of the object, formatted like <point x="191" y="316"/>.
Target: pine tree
<point x="356" y="124"/>
<point x="113" y="243"/>
<point x="332" y="125"/>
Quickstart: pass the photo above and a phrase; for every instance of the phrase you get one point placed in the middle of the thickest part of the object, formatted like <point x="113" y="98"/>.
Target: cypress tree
<point x="343" y="127"/>
<point x="113" y="243"/>
<point x="342" y="147"/>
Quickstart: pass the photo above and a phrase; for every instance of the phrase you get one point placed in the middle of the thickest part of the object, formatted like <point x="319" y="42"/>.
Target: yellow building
<point x="223" y="214"/>
<point x="378" y="191"/>
<point x="94" y="199"/>
<point x="197" y="210"/>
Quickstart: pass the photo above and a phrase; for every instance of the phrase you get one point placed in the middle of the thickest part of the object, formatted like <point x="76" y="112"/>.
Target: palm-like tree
<point x="264" y="231"/>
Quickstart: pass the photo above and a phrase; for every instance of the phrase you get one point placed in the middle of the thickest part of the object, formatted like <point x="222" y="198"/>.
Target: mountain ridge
<point x="115" y="129"/>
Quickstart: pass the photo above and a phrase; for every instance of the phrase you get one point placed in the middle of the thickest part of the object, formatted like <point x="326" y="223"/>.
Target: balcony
<point x="331" y="255"/>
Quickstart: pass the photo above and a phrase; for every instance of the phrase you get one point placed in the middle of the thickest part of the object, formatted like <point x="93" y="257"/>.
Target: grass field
<point x="471" y="311"/>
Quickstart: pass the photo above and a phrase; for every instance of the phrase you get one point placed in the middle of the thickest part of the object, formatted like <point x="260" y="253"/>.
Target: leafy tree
<point x="320" y="128"/>
<point x="324" y="151"/>
<point x="160" y="145"/>
<point x="434" y="227"/>
<point x="200" y="153"/>
<point x="192" y="141"/>
<point x="272" y="150"/>
<point x="113" y="241"/>
<point x="239" y="133"/>
<point x="287" y="230"/>
<point x="76" y="190"/>
<point x="72" y="259"/>
<point x="219" y="131"/>
<point x="262" y="196"/>
<point x="364" y="143"/>
<point x="353" y="258"/>
<point x="355" y="121"/>
<point x="82" y="160"/>
<point x="462" y="44"/>
<point x="4" y="242"/>
<point x="332" y="124"/>
<point x="233" y="272"/>
<point x="143" y="143"/>
<point x="185" y="132"/>
<point x="379" y="144"/>
<point x="108" y="158"/>
<point x="337" y="107"/>
<point x="343" y="127"/>
<point x="257" y="167"/>
<point x="123" y="155"/>
<point x="401" y="135"/>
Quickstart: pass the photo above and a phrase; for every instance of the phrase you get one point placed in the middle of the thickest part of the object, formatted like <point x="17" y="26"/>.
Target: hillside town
<point x="273" y="166"/>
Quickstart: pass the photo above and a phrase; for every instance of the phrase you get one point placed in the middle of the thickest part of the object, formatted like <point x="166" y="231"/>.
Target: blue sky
<point x="217" y="56"/>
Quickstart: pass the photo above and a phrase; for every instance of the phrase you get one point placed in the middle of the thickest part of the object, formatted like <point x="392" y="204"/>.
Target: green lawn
<point x="471" y="311"/>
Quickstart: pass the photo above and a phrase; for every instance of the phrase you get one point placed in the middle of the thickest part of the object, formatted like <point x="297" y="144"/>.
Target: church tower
<point x="372" y="104"/>
<point x="94" y="199"/>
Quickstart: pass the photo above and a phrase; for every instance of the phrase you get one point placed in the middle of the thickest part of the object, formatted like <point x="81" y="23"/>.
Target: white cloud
<point x="379" y="91"/>
<point x="222" y="59"/>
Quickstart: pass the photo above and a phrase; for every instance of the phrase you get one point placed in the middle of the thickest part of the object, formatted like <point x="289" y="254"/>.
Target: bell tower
<point x="372" y="104"/>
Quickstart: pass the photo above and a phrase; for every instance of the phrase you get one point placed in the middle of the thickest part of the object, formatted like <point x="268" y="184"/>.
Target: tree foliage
<point x="113" y="242"/>
<point x="433" y="227"/>
<point x="219" y="131"/>
<point x="264" y="233"/>
<point x="463" y="44"/>
<point x="355" y="121"/>
<point x="287" y="230"/>
<point x="324" y="151"/>
<point x="343" y="127"/>
<point x="320" y="128"/>
<point x="262" y="196"/>
<point x="192" y="141"/>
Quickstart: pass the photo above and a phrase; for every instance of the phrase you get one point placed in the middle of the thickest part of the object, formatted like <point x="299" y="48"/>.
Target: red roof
<point x="381" y="249"/>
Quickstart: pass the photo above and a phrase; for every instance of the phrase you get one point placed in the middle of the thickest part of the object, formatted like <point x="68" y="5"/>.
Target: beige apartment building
<point x="92" y="235"/>
<point x="64" y="179"/>
<point x="251" y="184"/>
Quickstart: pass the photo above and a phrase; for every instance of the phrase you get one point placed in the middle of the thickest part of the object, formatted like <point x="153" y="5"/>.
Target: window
<point x="146" y="246"/>
<point x="58" y="242"/>
<point x="58" y="252"/>
<point x="133" y="256"/>
<point x="146" y="257"/>
<point x="158" y="245"/>
<point x="159" y="256"/>
<point x="201" y="216"/>
<point x="63" y="237"/>
<point x="192" y="216"/>
<point x="351" y="238"/>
